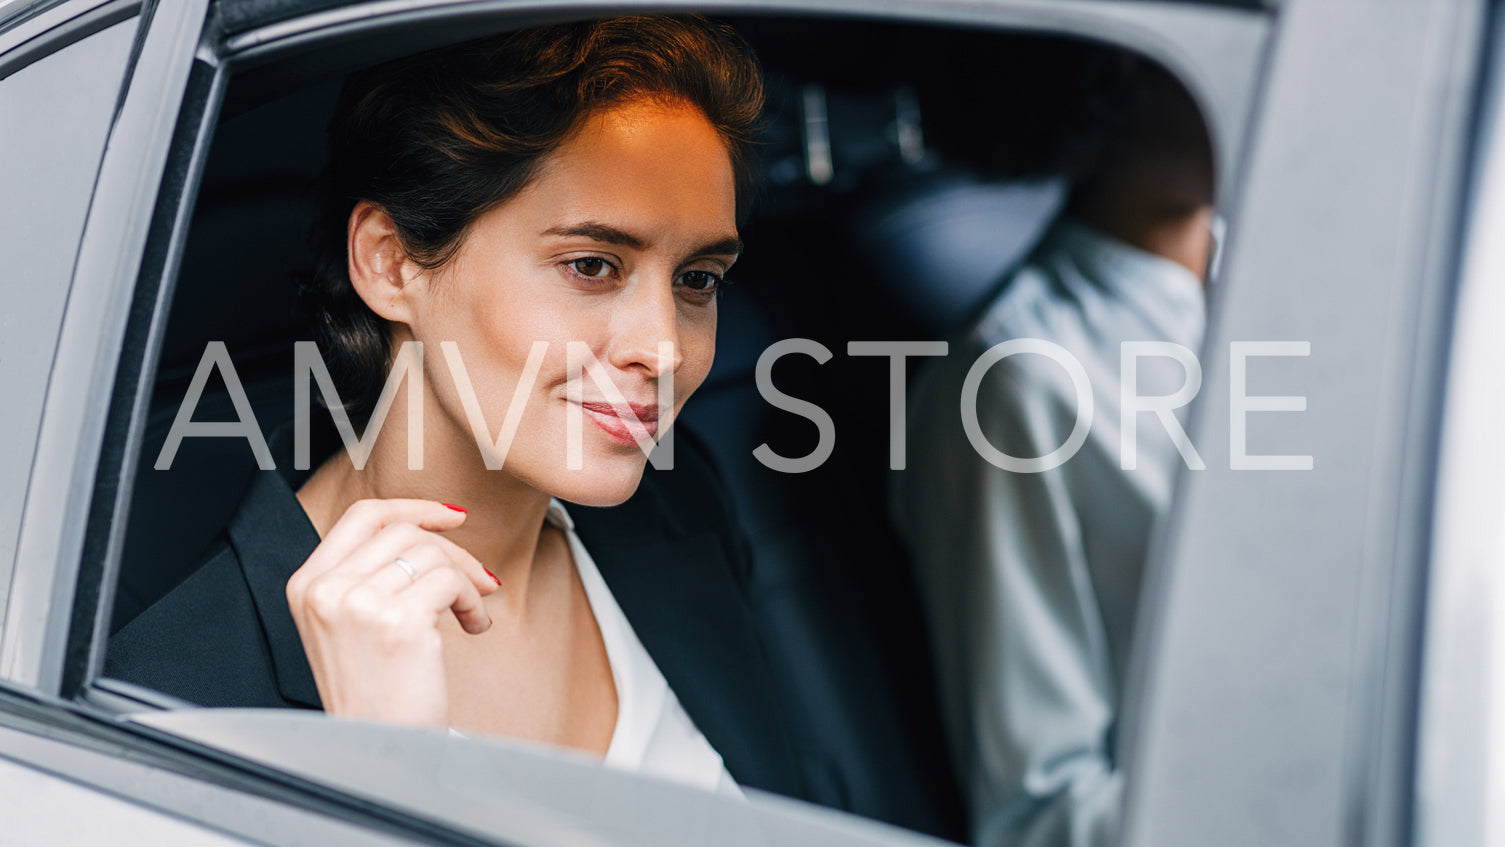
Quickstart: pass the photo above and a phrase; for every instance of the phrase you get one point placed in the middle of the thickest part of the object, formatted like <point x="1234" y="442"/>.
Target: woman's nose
<point x="649" y="331"/>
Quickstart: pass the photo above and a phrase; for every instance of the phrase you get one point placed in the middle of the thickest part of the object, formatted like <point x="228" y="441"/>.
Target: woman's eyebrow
<point x="598" y="232"/>
<point x="729" y="246"/>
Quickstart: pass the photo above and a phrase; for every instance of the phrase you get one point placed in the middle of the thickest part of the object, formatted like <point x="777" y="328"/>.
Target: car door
<point x="1345" y="193"/>
<point x="1279" y="648"/>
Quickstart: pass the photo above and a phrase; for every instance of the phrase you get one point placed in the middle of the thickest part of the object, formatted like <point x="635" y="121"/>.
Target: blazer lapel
<point x="680" y="596"/>
<point x="272" y="537"/>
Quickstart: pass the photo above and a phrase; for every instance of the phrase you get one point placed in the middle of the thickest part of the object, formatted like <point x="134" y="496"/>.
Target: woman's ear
<point x="379" y="268"/>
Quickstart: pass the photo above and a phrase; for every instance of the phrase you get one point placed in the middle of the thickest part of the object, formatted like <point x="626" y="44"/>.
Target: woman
<point x="574" y="185"/>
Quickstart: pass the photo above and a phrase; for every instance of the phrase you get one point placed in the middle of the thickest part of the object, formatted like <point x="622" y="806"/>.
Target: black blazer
<point x="672" y="556"/>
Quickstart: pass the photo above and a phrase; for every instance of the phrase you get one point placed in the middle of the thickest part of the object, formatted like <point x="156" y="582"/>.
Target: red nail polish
<point x="492" y="575"/>
<point x="456" y="508"/>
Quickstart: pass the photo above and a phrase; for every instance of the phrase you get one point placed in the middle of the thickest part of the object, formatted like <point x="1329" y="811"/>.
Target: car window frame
<point x="1168" y="34"/>
<point x="184" y="62"/>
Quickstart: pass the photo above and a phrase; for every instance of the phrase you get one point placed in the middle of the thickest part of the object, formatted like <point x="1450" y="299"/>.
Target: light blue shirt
<point x="1030" y="580"/>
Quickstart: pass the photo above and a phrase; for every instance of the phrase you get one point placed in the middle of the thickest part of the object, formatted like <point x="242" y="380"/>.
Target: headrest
<point x="942" y="245"/>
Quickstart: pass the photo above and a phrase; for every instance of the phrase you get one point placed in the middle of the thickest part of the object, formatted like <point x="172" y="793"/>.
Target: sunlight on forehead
<point x="644" y="169"/>
<point x="640" y="175"/>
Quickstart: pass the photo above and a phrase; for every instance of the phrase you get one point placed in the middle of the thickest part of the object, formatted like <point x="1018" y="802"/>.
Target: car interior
<point x="903" y="178"/>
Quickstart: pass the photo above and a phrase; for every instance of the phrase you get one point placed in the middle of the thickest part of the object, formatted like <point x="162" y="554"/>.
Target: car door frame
<point x="1279" y="647"/>
<point x="54" y="628"/>
<point x="146" y="187"/>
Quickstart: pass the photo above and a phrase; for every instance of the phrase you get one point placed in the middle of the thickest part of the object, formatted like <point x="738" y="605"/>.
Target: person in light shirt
<point x="1030" y="580"/>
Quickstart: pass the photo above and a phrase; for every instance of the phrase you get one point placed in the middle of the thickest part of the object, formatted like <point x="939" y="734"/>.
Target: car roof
<point x="237" y="16"/>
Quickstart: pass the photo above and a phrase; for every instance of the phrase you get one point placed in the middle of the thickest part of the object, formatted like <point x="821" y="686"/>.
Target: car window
<point x="887" y="227"/>
<point x="49" y="155"/>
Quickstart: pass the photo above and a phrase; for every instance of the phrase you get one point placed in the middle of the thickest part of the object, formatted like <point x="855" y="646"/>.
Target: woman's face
<point x="617" y="245"/>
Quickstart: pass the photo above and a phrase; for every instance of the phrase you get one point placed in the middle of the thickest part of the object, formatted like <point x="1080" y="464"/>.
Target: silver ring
<point x="407" y="567"/>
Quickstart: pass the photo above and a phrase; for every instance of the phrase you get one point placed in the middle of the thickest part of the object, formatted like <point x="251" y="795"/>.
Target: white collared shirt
<point x="653" y="734"/>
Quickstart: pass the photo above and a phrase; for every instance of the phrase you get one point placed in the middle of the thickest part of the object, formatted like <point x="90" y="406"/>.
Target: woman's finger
<point x="444" y="589"/>
<point x="323" y="585"/>
<point x="389" y="543"/>
<point x="365" y="518"/>
<point x="393" y="577"/>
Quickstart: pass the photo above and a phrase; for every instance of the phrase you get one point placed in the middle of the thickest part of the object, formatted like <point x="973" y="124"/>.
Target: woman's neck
<point x="505" y="516"/>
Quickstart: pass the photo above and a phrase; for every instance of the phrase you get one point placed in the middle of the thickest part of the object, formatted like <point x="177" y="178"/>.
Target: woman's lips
<point x="617" y="421"/>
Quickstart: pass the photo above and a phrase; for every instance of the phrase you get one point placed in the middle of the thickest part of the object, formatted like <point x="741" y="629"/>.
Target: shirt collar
<point x="1110" y="260"/>
<point x="558" y="516"/>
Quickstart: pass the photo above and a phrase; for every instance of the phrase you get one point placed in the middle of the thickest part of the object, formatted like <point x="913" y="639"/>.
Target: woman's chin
<point x="597" y="489"/>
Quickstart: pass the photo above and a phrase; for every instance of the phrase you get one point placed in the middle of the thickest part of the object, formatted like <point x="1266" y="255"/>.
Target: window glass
<point x="897" y="222"/>
<point x="56" y="114"/>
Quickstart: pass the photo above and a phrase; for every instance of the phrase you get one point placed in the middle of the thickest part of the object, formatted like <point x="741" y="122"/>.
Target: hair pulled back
<point x="437" y="139"/>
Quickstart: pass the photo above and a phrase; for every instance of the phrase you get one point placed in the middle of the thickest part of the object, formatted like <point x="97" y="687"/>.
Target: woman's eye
<point x="701" y="281"/>
<point x="591" y="266"/>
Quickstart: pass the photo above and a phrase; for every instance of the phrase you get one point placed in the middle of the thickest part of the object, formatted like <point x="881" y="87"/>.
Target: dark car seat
<point x="889" y="249"/>
<point x="940" y="245"/>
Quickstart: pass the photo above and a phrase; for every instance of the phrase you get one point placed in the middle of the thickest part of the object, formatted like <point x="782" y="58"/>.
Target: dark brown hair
<point x="439" y="138"/>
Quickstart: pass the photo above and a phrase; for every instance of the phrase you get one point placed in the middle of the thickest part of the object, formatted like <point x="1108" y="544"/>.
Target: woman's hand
<point x="370" y="629"/>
